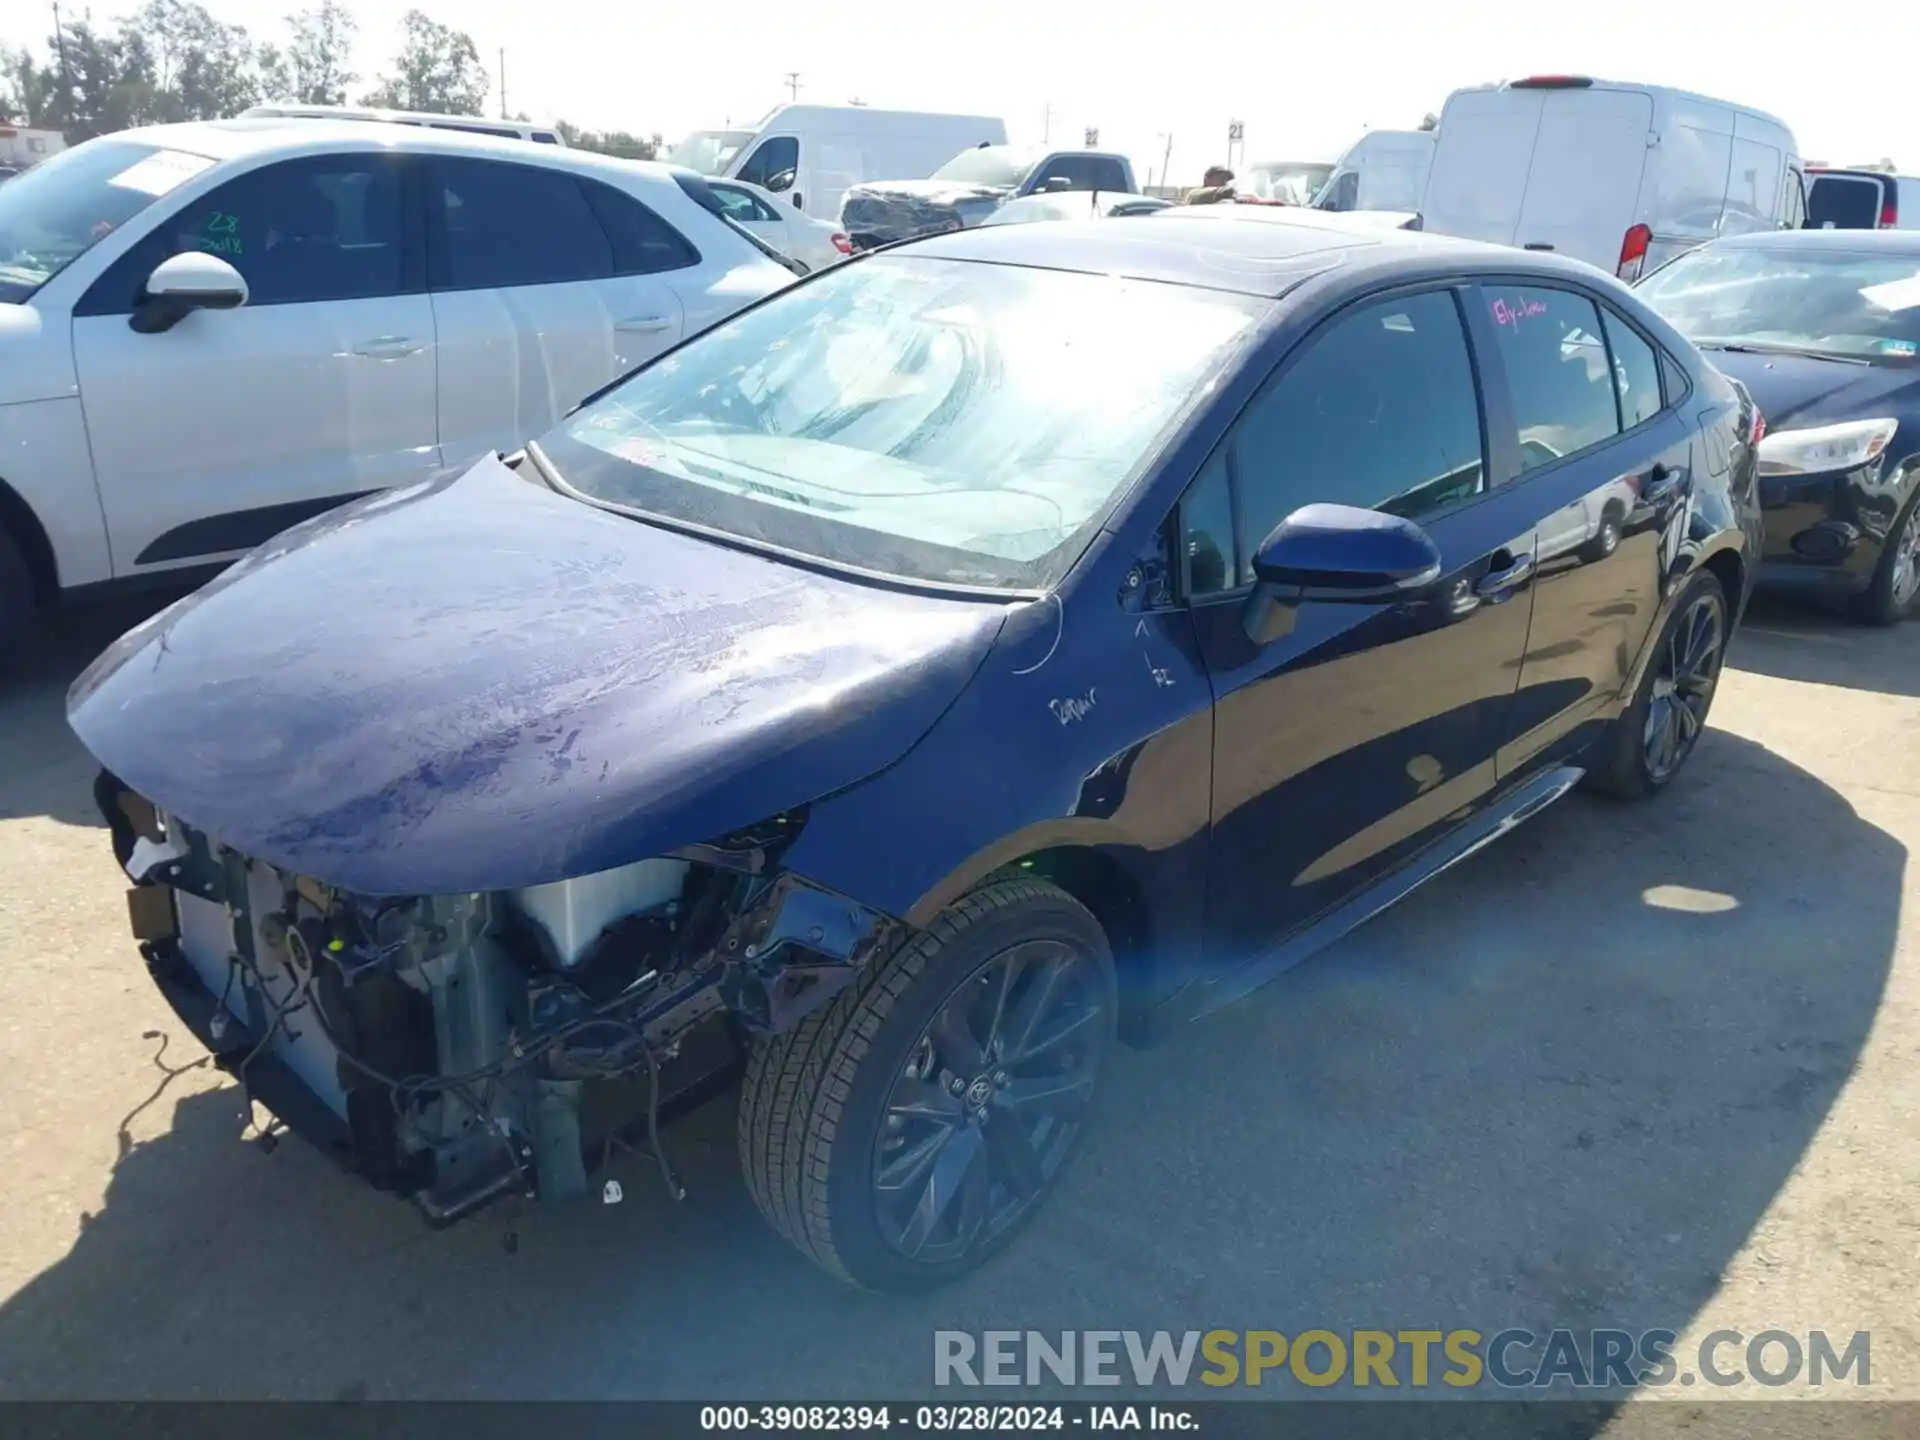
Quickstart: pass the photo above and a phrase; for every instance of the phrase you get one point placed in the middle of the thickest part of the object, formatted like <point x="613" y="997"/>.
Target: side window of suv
<point x="1381" y="411"/>
<point x="1549" y="344"/>
<point x="321" y="228"/>
<point x="643" y="243"/>
<point x="495" y="225"/>
<point x="1083" y="172"/>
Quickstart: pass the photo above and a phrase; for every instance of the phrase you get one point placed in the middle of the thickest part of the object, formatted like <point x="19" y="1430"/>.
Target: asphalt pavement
<point x="1634" y="1066"/>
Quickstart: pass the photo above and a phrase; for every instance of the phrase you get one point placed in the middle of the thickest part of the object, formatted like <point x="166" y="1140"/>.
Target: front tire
<point x="904" y="1134"/>
<point x="1647" y="746"/>
<point x="1896" y="579"/>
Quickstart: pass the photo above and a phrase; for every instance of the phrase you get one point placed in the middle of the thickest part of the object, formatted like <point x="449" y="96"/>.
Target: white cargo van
<point x="1382" y="170"/>
<point x="812" y="154"/>
<point x="1622" y="176"/>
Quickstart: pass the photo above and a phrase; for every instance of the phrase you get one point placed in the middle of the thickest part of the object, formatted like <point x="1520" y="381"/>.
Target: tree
<point x="438" y="69"/>
<point x="608" y="142"/>
<point x="203" y="68"/>
<point x="316" y="59"/>
<point x="94" y="82"/>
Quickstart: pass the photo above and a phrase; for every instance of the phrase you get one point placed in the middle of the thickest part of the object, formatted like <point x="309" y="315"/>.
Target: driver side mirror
<point x="185" y="283"/>
<point x="1339" y="554"/>
<point x="782" y="181"/>
<point x="1055" y="184"/>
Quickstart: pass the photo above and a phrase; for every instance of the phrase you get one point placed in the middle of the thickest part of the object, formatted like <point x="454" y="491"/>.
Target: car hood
<point x="479" y="684"/>
<point x="1795" y="392"/>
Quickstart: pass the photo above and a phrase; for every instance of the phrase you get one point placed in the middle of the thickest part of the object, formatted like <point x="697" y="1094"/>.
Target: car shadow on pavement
<point x="1559" y="1086"/>
<point x="1821" y="645"/>
<point x="47" y="772"/>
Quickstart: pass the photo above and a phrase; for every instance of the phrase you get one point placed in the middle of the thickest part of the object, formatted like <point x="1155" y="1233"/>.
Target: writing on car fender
<point x="1073" y="707"/>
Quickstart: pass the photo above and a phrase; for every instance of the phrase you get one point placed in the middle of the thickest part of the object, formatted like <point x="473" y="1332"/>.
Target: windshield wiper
<point x="1735" y="348"/>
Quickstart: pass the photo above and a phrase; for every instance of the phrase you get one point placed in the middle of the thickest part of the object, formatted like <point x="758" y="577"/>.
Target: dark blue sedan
<point x="973" y="655"/>
<point x="1823" y="328"/>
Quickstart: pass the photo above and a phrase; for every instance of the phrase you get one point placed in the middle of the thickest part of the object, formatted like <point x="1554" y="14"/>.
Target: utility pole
<point x="793" y="84"/>
<point x="1166" y="165"/>
<point x="1046" y="126"/>
<point x="66" y="70"/>
<point x="503" y="82"/>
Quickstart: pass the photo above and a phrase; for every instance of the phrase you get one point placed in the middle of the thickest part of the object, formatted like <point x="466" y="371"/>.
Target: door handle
<point x="644" y="324"/>
<point x="389" y="347"/>
<point x="1663" y="483"/>
<point x="1536" y="245"/>
<point x="1498" y="582"/>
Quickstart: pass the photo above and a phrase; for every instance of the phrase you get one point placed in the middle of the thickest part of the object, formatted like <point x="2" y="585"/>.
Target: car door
<point x="1606" y="463"/>
<point x="217" y="433"/>
<point x="529" y="297"/>
<point x="1357" y="733"/>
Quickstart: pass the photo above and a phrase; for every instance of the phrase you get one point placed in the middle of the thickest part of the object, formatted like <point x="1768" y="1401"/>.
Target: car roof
<point x="1803" y="242"/>
<point x="291" y="135"/>
<point x="1265" y="260"/>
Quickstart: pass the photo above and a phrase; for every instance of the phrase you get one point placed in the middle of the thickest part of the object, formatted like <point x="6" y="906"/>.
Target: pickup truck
<point x="970" y="187"/>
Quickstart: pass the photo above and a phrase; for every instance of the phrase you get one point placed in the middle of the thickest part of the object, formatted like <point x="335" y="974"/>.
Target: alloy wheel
<point x="986" y="1109"/>
<point x="1906" y="559"/>
<point x="1689" y="668"/>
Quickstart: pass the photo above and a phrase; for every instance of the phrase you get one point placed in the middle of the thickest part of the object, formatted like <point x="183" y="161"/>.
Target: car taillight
<point x="1890" y="213"/>
<point x="842" y="244"/>
<point x="1759" y="427"/>
<point x="1633" y="252"/>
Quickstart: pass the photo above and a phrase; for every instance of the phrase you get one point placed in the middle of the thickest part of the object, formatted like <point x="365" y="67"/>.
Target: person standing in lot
<point x="1216" y="187"/>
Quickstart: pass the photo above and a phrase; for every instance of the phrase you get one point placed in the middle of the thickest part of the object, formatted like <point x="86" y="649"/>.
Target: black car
<point x="973" y="654"/>
<point x="1823" y="327"/>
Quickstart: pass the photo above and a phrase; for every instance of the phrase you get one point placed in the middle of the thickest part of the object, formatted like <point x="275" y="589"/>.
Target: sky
<point x="1305" y="81"/>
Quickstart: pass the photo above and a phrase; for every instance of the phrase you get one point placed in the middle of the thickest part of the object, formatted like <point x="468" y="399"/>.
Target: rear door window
<point x="1636" y="372"/>
<point x="1550" y="345"/>
<point x="496" y="226"/>
<point x="1844" y="202"/>
<point x="643" y="243"/>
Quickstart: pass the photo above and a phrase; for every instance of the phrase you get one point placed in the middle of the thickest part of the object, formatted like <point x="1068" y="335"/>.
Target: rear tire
<point x="1648" y="745"/>
<point x="905" y="1133"/>
<point x="18" y="611"/>
<point x="1889" y="597"/>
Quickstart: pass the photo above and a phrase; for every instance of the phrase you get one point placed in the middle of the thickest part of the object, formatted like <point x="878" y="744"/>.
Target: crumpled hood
<point x="479" y="684"/>
<point x="1795" y="392"/>
<point x="886" y="210"/>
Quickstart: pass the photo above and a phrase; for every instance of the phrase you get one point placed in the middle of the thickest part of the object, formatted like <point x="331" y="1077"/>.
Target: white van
<point x="1622" y="176"/>
<point x="812" y="154"/>
<point x="1382" y="170"/>
<point x="471" y="124"/>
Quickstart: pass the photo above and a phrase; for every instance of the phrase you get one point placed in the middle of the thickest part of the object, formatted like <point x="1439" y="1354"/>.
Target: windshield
<point x="54" y="213"/>
<point x="1289" y="182"/>
<point x="1836" y="302"/>
<point x="998" y="165"/>
<point x="937" y="420"/>
<point x="709" y="151"/>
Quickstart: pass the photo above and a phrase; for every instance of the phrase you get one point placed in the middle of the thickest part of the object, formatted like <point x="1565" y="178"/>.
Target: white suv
<point x="209" y="332"/>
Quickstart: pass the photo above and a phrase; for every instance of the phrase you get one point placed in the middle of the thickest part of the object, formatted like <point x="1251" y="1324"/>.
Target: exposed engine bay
<point x="456" y="1048"/>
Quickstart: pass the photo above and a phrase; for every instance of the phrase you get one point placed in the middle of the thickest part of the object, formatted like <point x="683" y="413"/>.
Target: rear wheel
<point x="904" y="1134"/>
<point x="17" y="608"/>
<point x="1896" y="579"/>
<point x="1649" y="744"/>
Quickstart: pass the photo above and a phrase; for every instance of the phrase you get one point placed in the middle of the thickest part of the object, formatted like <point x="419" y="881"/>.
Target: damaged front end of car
<point x="456" y="1048"/>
